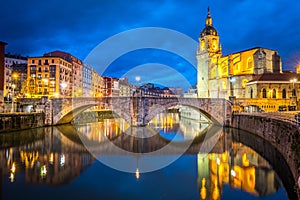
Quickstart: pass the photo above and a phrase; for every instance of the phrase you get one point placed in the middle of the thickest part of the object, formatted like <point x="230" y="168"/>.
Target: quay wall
<point x="284" y="136"/>
<point x="19" y="121"/>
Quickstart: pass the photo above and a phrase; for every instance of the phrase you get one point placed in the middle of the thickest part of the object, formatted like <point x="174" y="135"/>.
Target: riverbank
<point x="10" y="122"/>
<point x="285" y="137"/>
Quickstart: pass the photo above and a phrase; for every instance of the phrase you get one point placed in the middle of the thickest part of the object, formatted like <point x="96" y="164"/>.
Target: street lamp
<point x="294" y="80"/>
<point x="13" y="86"/>
<point x="64" y="86"/>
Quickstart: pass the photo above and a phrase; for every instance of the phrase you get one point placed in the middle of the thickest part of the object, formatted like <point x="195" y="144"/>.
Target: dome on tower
<point x="209" y="29"/>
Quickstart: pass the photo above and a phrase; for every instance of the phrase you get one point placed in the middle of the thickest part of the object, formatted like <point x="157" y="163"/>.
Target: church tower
<point x="208" y="54"/>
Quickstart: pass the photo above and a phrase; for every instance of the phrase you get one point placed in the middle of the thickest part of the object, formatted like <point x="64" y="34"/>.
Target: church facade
<point x="251" y="74"/>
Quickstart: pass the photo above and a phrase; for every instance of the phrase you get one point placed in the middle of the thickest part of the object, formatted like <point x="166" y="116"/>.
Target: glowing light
<point x="232" y="79"/>
<point x="137" y="78"/>
<point x="218" y="161"/>
<point x="233" y="173"/>
<point x="15" y="75"/>
<point x="294" y="80"/>
<point x="245" y="161"/>
<point x="43" y="172"/>
<point x="64" y="85"/>
<point x="12" y="177"/>
<point x="203" y="189"/>
<point x="13" y="168"/>
<point x="137" y="174"/>
<point x="62" y="160"/>
<point x="51" y="158"/>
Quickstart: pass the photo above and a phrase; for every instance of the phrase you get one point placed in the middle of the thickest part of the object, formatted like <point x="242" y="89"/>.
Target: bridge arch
<point x="139" y="111"/>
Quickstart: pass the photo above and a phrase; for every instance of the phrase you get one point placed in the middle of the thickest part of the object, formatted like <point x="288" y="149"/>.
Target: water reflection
<point x="48" y="159"/>
<point x="169" y="125"/>
<point x="56" y="157"/>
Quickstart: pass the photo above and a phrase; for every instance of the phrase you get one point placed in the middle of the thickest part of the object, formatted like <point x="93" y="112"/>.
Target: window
<point x="293" y="92"/>
<point x="52" y="60"/>
<point x="264" y="93"/>
<point x="46" y="62"/>
<point x="32" y="68"/>
<point x="274" y="94"/>
<point x="284" y="94"/>
<point x="40" y="62"/>
<point x="251" y="93"/>
<point x="32" y="61"/>
<point x="52" y="68"/>
<point x="250" y="64"/>
<point x="40" y="69"/>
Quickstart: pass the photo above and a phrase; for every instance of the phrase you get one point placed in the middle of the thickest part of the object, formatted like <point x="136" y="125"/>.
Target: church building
<point x="255" y="73"/>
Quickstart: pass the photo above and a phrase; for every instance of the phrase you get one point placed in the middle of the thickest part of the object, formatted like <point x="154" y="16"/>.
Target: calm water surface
<point x="52" y="163"/>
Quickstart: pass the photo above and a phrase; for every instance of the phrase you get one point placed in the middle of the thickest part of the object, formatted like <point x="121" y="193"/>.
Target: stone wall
<point x="285" y="137"/>
<point x="14" y="122"/>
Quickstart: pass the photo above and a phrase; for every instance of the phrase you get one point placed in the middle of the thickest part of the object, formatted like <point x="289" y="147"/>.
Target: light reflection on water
<point x="55" y="157"/>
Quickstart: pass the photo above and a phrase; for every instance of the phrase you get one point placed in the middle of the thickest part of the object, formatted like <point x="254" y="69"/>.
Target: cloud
<point x="35" y="27"/>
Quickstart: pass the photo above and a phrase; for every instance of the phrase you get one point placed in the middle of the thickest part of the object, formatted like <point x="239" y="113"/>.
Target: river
<point x="172" y="158"/>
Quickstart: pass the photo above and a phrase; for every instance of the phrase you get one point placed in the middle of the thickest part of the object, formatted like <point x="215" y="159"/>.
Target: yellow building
<point x="222" y="76"/>
<point x="97" y="84"/>
<point x="49" y="76"/>
<point x="76" y="75"/>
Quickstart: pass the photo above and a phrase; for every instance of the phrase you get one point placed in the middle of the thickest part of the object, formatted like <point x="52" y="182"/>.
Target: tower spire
<point x="208" y="18"/>
<point x="208" y="11"/>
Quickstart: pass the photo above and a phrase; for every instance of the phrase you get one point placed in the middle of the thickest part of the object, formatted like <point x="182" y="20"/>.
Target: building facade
<point x="126" y="89"/>
<point x="97" y="84"/>
<point x="2" y="71"/>
<point x="19" y="79"/>
<point x="49" y="76"/>
<point x="76" y="74"/>
<point x="222" y="76"/>
<point x="87" y="80"/>
<point x="11" y="77"/>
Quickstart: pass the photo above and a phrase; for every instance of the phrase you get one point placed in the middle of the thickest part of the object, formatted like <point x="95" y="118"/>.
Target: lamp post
<point x="13" y="86"/>
<point x="293" y="99"/>
<point x="64" y="86"/>
<point x="294" y="80"/>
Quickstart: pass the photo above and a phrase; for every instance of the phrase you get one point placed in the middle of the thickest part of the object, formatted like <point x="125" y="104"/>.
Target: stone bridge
<point x="137" y="111"/>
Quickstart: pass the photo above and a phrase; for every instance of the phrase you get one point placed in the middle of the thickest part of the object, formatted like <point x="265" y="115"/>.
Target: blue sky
<point x="34" y="27"/>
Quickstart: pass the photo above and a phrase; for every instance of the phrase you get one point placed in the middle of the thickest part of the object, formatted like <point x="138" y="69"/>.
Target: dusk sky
<point x="34" y="27"/>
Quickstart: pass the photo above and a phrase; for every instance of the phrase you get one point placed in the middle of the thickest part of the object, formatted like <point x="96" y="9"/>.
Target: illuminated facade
<point x="49" y="76"/>
<point x="97" y="84"/>
<point x="76" y="74"/>
<point x="245" y="170"/>
<point x="223" y="76"/>
<point x="2" y="71"/>
<point x="125" y="87"/>
<point x="87" y="80"/>
<point x="10" y="76"/>
<point x="111" y="87"/>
